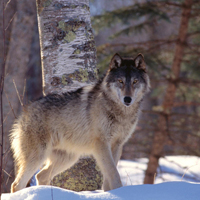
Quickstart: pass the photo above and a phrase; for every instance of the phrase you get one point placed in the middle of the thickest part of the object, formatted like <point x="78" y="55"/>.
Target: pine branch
<point x="125" y="14"/>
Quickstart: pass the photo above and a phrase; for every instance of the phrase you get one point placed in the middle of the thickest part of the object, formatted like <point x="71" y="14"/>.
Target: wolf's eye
<point x="135" y="81"/>
<point x="120" y="81"/>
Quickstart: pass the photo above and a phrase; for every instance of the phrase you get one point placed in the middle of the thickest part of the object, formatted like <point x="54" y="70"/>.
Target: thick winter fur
<point x="94" y="120"/>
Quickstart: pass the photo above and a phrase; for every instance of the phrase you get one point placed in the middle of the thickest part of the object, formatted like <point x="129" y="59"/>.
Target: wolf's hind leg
<point x="58" y="162"/>
<point x="24" y="173"/>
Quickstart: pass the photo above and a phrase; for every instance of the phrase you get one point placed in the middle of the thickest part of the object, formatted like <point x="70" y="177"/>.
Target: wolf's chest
<point x="123" y="129"/>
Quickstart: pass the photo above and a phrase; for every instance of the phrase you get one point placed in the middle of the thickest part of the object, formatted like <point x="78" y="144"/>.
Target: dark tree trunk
<point x="9" y="13"/>
<point x="16" y="67"/>
<point x="160" y="135"/>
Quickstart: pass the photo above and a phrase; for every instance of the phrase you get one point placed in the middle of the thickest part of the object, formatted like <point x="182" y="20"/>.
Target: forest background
<point x="167" y="33"/>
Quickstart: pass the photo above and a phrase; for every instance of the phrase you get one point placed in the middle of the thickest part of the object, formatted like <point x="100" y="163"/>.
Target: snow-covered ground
<point x="178" y="178"/>
<point x="172" y="168"/>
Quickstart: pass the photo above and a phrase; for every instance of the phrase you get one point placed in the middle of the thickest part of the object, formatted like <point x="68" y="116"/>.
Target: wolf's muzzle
<point x="127" y="101"/>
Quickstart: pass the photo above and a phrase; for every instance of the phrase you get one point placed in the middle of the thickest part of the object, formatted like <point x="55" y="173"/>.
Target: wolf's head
<point x="126" y="80"/>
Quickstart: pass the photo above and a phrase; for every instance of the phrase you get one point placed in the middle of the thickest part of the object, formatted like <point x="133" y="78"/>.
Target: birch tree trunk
<point x="68" y="58"/>
<point x="160" y="136"/>
<point x="67" y="45"/>
<point x="16" y="67"/>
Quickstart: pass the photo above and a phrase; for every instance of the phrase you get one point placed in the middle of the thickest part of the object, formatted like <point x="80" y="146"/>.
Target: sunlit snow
<point x="178" y="178"/>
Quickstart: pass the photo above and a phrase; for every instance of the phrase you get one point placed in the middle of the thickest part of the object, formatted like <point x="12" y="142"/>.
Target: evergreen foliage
<point x="160" y="20"/>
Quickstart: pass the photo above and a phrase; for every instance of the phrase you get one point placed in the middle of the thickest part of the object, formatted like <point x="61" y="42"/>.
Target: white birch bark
<point x="67" y="45"/>
<point x="68" y="58"/>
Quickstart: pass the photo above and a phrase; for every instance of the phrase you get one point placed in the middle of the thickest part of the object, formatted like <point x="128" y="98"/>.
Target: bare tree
<point x="15" y="75"/>
<point x="160" y="135"/>
<point x="9" y="13"/>
<point x="68" y="58"/>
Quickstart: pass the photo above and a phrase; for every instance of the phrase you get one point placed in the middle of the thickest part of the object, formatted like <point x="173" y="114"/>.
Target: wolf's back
<point x="34" y="130"/>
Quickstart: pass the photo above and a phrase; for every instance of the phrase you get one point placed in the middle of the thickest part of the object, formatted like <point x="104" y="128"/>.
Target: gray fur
<point x="94" y="120"/>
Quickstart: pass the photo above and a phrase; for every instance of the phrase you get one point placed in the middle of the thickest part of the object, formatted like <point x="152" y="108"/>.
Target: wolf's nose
<point x="127" y="100"/>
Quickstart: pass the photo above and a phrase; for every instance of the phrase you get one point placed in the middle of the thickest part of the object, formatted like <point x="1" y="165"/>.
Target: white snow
<point x="178" y="178"/>
<point x="171" y="168"/>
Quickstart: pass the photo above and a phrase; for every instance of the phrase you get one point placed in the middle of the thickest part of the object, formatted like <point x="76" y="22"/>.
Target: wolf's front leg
<point x="107" y="165"/>
<point x="116" y="154"/>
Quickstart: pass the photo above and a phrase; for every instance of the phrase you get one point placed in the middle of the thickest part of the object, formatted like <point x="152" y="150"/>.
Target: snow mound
<point x="162" y="191"/>
<point x="183" y="172"/>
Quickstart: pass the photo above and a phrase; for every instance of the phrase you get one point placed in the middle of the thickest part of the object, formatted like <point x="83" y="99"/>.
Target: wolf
<point x="96" y="120"/>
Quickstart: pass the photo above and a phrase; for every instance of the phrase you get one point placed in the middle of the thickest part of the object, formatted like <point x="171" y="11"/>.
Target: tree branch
<point x="2" y="86"/>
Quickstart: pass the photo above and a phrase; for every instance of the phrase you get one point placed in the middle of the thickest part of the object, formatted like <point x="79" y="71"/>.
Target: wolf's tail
<point x="15" y="140"/>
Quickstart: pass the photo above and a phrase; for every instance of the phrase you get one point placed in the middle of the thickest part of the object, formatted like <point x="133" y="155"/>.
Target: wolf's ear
<point x="115" y="61"/>
<point x="139" y="62"/>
